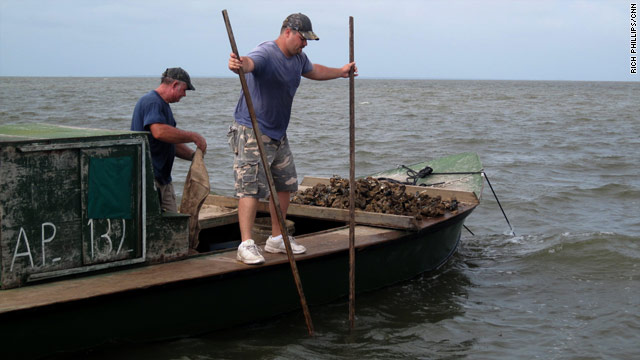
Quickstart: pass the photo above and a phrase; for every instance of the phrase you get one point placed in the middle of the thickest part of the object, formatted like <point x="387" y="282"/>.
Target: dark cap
<point x="180" y="75"/>
<point x="300" y="23"/>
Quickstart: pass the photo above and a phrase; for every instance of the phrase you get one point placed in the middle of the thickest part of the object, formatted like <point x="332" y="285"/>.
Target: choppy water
<point x="562" y="156"/>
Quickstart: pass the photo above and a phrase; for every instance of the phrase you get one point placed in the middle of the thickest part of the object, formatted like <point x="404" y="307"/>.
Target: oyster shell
<point x="375" y="196"/>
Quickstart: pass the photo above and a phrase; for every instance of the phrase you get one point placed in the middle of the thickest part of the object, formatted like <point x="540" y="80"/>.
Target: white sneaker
<point x="249" y="253"/>
<point x="277" y="246"/>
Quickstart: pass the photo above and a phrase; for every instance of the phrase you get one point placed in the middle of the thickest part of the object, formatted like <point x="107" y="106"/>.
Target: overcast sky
<point x="464" y="39"/>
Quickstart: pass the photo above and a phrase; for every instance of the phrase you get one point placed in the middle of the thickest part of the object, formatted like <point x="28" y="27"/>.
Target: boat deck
<point x="199" y="266"/>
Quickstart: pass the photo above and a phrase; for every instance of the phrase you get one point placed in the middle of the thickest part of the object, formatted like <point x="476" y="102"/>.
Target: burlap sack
<point x="196" y="190"/>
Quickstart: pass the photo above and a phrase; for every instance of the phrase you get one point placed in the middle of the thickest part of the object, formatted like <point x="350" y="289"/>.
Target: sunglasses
<point x="302" y="37"/>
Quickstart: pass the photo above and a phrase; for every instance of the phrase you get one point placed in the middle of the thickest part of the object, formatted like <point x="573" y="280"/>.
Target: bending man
<point x="153" y="113"/>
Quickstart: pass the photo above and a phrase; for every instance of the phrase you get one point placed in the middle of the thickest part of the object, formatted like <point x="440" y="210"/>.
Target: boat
<point x="88" y="259"/>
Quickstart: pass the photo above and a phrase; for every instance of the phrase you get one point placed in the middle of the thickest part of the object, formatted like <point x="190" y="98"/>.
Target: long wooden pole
<point x="352" y="185"/>
<point x="267" y="170"/>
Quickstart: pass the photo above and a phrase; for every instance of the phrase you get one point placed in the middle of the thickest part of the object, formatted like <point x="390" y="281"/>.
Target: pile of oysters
<point x="375" y="196"/>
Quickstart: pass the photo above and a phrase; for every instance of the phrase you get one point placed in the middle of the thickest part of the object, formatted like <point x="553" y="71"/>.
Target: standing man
<point x="153" y="113"/>
<point x="273" y="72"/>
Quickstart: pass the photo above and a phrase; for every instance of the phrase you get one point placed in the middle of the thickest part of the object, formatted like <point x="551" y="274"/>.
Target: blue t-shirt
<point x="272" y="84"/>
<point x="152" y="109"/>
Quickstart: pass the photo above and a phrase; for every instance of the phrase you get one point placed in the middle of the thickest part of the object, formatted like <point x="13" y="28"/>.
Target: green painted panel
<point x="110" y="188"/>
<point x="111" y="231"/>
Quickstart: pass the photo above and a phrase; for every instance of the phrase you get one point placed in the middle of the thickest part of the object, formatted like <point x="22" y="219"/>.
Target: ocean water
<point x="562" y="157"/>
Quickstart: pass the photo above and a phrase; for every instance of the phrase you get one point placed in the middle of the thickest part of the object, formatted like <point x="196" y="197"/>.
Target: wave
<point x="606" y="191"/>
<point x="602" y="247"/>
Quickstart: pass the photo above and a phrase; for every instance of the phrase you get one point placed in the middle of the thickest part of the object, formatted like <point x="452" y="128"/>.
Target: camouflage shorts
<point x="251" y="180"/>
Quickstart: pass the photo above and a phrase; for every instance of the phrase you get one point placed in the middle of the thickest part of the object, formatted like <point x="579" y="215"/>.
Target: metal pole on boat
<point x="267" y="170"/>
<point x="352" y="187"/>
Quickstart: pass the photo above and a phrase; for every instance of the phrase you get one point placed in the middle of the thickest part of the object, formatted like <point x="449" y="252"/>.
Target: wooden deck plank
<point x="316" y="212"/>
<point x="212" y="215"/>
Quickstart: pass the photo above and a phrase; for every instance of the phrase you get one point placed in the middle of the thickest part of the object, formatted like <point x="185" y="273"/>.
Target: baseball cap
<point x="178" y="73"/>
<point x="300" y="23"/>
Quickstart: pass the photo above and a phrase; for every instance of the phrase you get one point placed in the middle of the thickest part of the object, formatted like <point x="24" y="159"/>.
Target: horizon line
<point x="358" y="77"/>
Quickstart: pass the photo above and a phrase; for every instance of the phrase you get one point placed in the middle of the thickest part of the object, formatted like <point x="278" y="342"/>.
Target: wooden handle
<point x="352" y="185"/>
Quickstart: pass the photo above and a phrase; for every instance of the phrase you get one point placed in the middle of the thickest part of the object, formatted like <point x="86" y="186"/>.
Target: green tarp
<point x="110" y="188"/>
